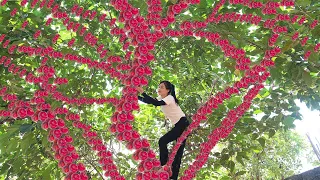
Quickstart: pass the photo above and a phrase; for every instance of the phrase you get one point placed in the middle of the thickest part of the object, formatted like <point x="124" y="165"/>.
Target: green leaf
<point x="46" y="173"/>
<point x="231" y="166"/>
<point x="225" y="178"/>
<point x="272" y="132"/>
<point x="262" y="141"/>
<point x="255" y="136"/>
<point x="303" y="3"/>
<point x="25" y="128"/>
<point x="12" y="146"/>
<point x="307" y="78"/>
<point x="224" y="157"/>
<point x="239" y="173"/>
<point x="288" y="121"/>
<point x="26" y="142"/>
<point x="239" y="159"/>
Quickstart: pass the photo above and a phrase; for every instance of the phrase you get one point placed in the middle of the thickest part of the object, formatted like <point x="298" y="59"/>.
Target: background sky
<point x="310" y="124"/>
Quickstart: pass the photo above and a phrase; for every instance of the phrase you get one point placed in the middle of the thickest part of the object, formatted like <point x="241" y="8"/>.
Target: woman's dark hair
<point x="171" y="89"/>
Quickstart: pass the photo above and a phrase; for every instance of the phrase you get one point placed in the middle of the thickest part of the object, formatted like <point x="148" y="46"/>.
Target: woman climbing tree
<point x="169" y="106"/>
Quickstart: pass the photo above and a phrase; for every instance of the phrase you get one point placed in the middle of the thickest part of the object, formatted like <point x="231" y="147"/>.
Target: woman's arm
<point x="149" y="100"/>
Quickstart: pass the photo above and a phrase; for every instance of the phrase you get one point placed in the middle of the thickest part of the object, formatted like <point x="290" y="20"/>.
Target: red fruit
<point x="154" y="175"/>
<point x="60" y="123"/>
<point x="135" y="81"/>
<point x="83" y="176"/>
<point x="130" y="116"/>
<point x="68" y="139"/>
<point x="130" y="145"/>
<point x="68" y="159"/>
<point x="151" y="154"/>
<point x="143" y="155"/>
<point x="55" y="147"/>
<point x="148" y="165"/>
<point x="70" y="148"/>
<point x="64" y="130"/>
<point x="120" y="137"/>
<point x="113" y="173"/>
<point x="140" y="168"/>
<point x="43" y="116"/>
<point x="75" y="176"/>
<point x="113" y="128"/>
<point x="137" y="144"/>
<point x="53" y="124"/>
<point x="128" y="126"/>
<point x="126" y="107"/>
<point x="163" y="175"/>
<point x="66" y="169"/>
<point x="127" y="135"/>
<point x="176" y="8"/>
<point x="57" y="156"/>
<point x="147" y="70"/>
<point x="135" y="135"/>
<point x="135" y="106"/>
<point x="156" y="163"/>
<point x="51" y="138"/>
<point x="44" y="125"/>
<point x="81" y="167"/>
<point x="61" y="164"/>
<point x="73" y="168"/>
<point x="57" y="133"/>
<point x="145" y="143"/>
<point x="139" y="176"/>
<point x="30" y="112"/>
<point x="61" y="142"/>
<point x="120" y="127"/>
<point x="143" y="81"/>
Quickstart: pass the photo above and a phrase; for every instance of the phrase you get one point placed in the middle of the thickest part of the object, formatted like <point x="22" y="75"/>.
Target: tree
<point x="191" y="63"/>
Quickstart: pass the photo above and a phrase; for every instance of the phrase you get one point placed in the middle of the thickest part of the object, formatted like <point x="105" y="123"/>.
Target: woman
<point x="169" y="106"/>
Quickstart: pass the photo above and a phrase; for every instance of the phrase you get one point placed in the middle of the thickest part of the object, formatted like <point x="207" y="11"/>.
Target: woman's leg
<point x="170" y="136"/>
<point x="177" y="161"/>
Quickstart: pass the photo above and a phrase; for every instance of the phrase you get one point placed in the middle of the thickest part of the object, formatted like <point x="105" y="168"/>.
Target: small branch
<point x="94" y="167"/>
<point x="305" y="13"/>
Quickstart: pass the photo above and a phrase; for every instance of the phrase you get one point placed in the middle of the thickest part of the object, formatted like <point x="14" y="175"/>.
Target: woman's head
<point x="165" y="88"/>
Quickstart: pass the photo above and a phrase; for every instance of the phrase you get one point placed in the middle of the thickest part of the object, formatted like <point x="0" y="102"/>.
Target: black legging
<point x="170" y="136"/>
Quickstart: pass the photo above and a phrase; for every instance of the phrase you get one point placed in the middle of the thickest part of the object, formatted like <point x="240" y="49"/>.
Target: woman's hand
<point x="140" y="90"/>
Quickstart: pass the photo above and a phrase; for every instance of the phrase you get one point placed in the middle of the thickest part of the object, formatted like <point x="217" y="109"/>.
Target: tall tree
<point x="195" y="65"/>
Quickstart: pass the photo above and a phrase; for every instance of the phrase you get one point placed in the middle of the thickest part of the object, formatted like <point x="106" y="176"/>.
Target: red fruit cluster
<point x="272" y="52"/>
<point x="304" y="41"/>
<point x="3" y="2"/>
<point x="283" y="17"/>
<point x="295" y="36"/>
<point x="307" y="54"/>
<point x="280" y="29"/>
<point x="105" y="156"/>
<point x="61" y="81"/>
<point x="302" y="20"/>
<point x="13" y="12"/>
<point x="253" y="4"/>
<point x="136" y="33"/>
<point x="65" y="152"/>
<point x="273" y="40"/>
<point x="287" y="3"/>
<point x="37" y="34"/>
<point x="234" y="17"/>
<point x="71" y="42"/>
<point x="314" y="24"/>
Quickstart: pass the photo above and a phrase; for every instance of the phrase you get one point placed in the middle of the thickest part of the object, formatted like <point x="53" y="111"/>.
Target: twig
<point x="94" y="167"/>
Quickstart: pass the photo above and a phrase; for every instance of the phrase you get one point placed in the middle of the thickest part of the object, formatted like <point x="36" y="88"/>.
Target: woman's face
<point x="162" y="90"/>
